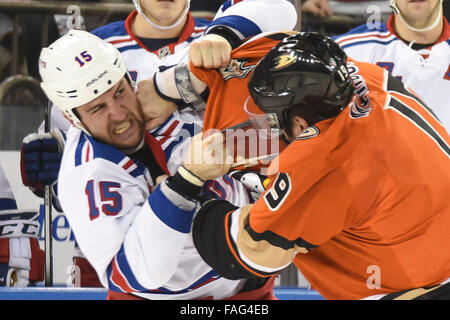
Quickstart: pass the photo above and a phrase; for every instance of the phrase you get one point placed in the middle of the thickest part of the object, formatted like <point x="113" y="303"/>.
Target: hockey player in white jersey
<point x="21" y="259"/>
<point x="135" y="234"/>
<point x="414" y="46"/>
<point x="160" y="33"/>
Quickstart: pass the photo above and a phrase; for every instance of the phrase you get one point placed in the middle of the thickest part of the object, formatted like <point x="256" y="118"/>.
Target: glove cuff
<point x="186" y="184"/>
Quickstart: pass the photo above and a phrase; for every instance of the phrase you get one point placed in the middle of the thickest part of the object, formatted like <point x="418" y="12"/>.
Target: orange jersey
<point x="228" y="93"/>
<point x="367" y="193"/>
<point x="360" y="203"/>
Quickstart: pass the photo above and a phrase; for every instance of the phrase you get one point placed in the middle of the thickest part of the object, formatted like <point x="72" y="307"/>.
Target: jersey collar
<point x="445" y="35"/>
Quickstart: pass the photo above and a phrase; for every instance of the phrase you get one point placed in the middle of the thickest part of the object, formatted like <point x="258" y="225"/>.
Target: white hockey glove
<point x="21" y="259"/>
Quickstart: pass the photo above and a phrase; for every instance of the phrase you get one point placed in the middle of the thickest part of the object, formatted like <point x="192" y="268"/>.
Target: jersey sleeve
<point x="307" y="202"/>
<point x="250" y="17"/>
<point x="132" y="239"/>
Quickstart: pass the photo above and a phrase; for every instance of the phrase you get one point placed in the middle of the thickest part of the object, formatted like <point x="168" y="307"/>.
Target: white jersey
<point x="427" y="72"/>
<point x="136" y="240"/>
<point x="7" y="200"/>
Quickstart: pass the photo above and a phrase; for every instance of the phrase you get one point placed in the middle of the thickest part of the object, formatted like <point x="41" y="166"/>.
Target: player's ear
<point x="299" y="121"/>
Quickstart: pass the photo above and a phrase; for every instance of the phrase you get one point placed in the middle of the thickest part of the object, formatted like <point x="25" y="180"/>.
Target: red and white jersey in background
<point x="426" y="71"/>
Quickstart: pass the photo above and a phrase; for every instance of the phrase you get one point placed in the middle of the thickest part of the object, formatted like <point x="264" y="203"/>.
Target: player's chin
<point x="129" y="139"/>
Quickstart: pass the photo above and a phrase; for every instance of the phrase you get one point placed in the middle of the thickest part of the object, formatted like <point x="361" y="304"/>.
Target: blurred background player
<point x="21" y="259"/>
<point x="160" y="33"/>
<point x="318" y="8"/>
<point x="134" y="233"/>
<point x="414" y="46"/>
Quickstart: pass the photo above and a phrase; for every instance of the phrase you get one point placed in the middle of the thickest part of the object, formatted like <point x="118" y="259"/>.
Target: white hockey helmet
<point x="78" y="68"/>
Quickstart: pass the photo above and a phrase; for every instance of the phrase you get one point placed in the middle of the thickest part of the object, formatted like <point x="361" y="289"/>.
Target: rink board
<point x="284" y="293"/>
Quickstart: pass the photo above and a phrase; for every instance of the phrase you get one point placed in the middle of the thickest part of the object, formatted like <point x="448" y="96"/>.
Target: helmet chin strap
<point x="397" y="11"/>
<point x="157" y="26"/>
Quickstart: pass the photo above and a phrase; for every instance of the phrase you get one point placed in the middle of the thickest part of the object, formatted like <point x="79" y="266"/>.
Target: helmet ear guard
<point x="306" y="70"/>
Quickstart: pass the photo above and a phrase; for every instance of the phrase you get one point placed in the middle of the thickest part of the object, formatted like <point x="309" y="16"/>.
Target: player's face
<point x="419" y="13"/>
<point x="163" y="12"/>
<point x="115" y="117"/>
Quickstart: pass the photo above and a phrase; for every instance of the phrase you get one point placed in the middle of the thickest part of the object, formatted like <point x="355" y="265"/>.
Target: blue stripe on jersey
<point x="155" y="132"/>
<point x="360" y="30"/>
<point x="139" y="170"/>
<point x="116" y="28"/>
<point x="174" y="217"/>
<point x="168" y="150"/>
<point x="8" y="204"/>
<point x="187" y="130"/>
<point x="111" y="284"/>
<point x="369" y="41"/>
<point x="227" y="4"/>
<point x="201" y="22"/>
<point x="105" y="151"/>
<point x="79" y="149"/>
<point x="125" y="268"/>
<point x="133" y="47"/>
<point x="245" y="26"/>
<point x="207" y="278"/>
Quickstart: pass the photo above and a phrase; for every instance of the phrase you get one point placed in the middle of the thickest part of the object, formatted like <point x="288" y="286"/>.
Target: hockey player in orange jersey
<point x="358" y="200"/>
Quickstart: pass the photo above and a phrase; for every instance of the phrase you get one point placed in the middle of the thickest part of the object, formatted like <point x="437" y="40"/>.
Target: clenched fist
<point x="212" y="51"/>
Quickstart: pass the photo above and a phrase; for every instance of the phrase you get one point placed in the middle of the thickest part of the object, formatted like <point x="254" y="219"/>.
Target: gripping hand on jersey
<point x="206" y="159"/>
<point x="40" y="160"/>
<point x="21" y="259"/>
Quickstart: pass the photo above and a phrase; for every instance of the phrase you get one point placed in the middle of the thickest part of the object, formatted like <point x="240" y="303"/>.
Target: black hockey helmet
<point x="307" y="70"/>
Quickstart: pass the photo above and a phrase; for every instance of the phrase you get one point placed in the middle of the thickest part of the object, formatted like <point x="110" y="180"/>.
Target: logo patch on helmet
<point x="308" y="133"/>
<point x="283" y="61"/>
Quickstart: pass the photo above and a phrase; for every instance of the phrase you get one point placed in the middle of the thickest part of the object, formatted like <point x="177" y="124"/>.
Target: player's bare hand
<point x="208" y="158"/>
<point x="320" y="8"/>
<point x="212" y="51"/>
<point x="156" y="109"/>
